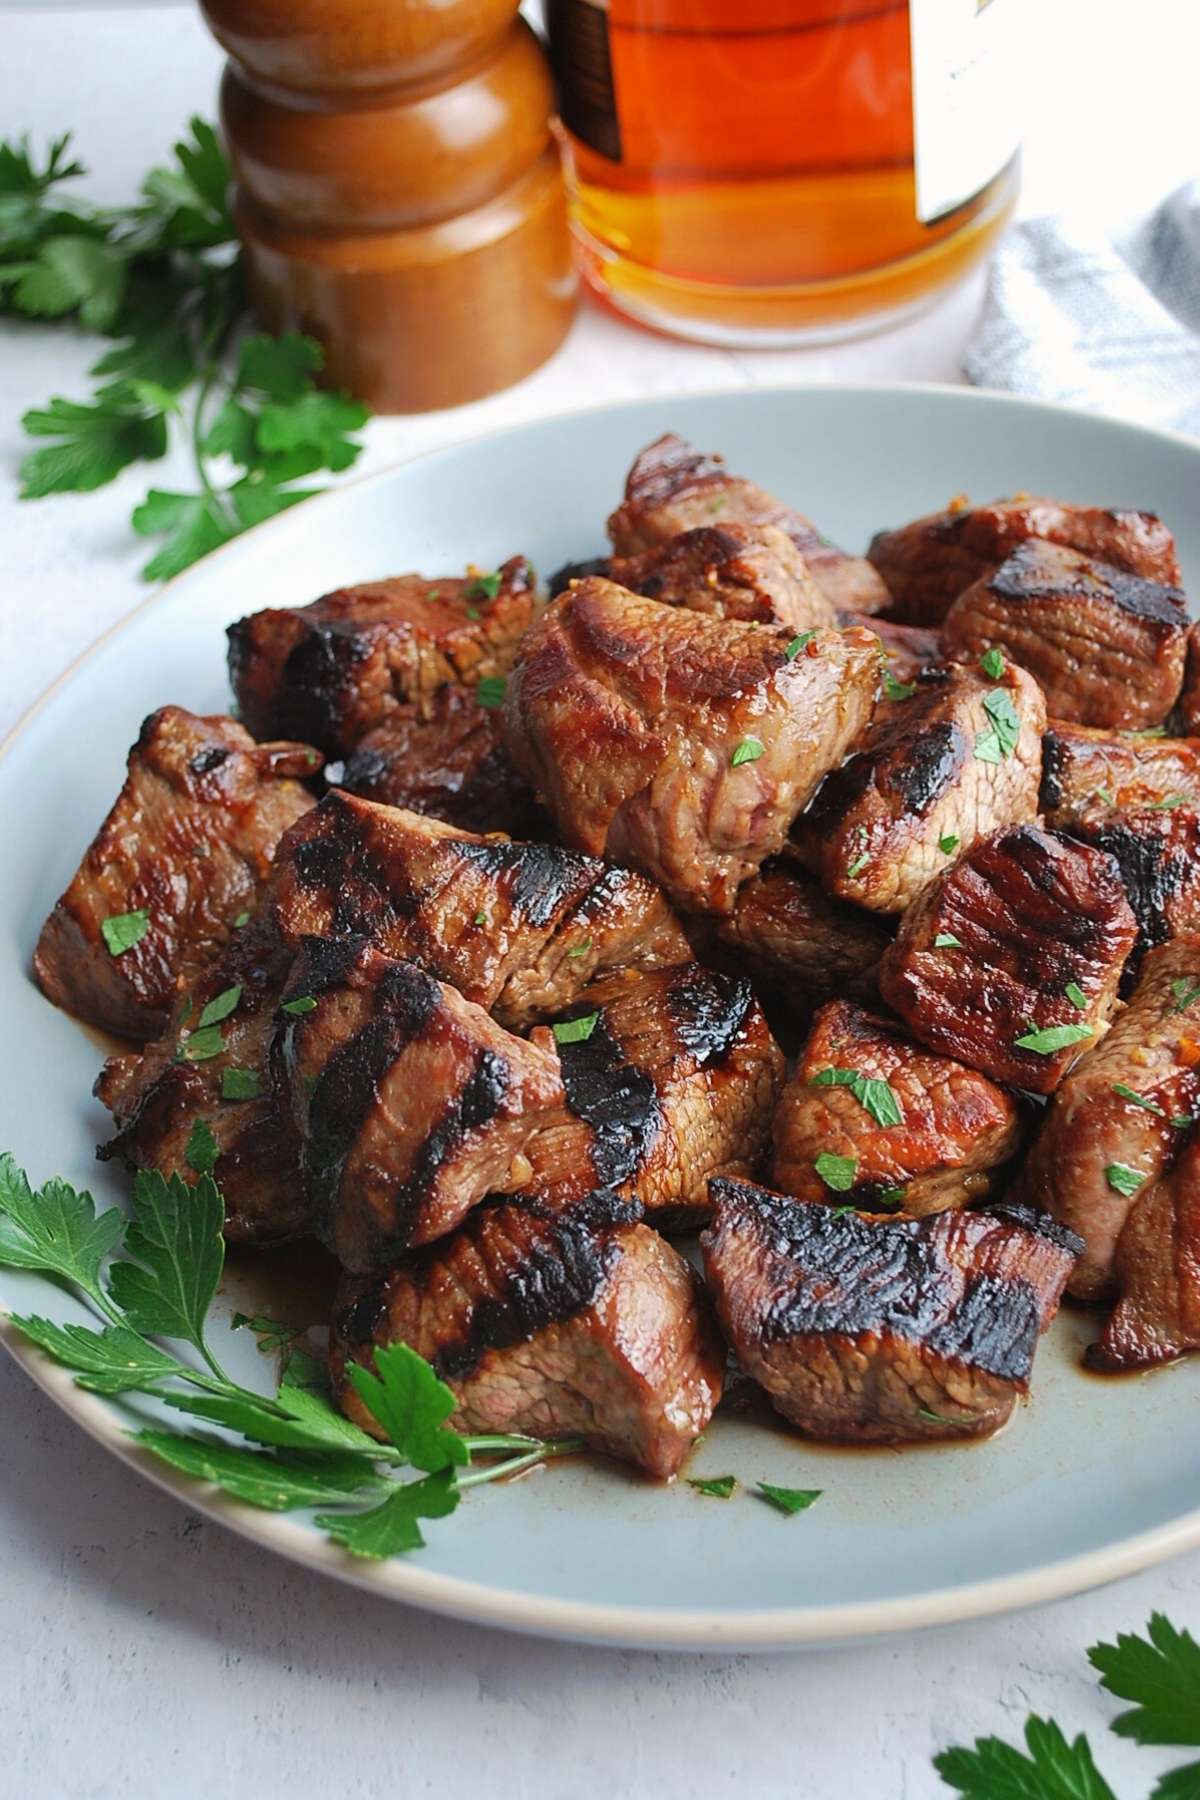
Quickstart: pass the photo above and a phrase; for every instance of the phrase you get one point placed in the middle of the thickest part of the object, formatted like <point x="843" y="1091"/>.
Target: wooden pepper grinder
<point x="399" y="195"/>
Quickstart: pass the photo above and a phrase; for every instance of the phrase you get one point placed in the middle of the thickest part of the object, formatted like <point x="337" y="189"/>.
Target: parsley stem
<point x="515" y="1465"/>
<point x="212" y="374"/>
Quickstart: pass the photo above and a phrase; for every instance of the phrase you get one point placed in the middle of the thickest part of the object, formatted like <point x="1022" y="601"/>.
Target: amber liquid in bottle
<point x="744" y="171"/>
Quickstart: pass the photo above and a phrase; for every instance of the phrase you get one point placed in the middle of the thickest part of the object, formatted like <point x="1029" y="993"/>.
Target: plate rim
<point x="500" y="1607"/>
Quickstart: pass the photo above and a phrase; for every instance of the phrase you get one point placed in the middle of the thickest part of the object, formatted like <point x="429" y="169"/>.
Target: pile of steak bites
<point x="846" y="908"/>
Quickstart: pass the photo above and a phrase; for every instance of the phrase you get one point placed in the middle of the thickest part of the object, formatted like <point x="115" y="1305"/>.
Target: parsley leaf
<point x="202" y="1046"/>
<point x="897" y="690"/>
<point x="490" y="689"/>
<point x="1128" y="1093"/>
<point x="483" y="587"/>
<point x="411" y="1405"/>
<point x="295" y="1420"/>
<point x="1054" y="1037"/>
<point x="575" y="1031"/>
<point x="56" y="1230"/>
<point x="946" y="940"/>
<point x="749" y="750"/>
<point x="797" y="644"/>
<point x="391" y="1527"/>
<point x="1185" y="993"/>
<point x="992" y="663"/>
<point x="220" y="1008"/>
<point x="1161" y="1672"/>
<point x="298" y="1007"/>
<point x="788" y="1500"/>
<point x="837" y="1172"/>
<point x="240" y="1084"/>
<point x="112" y="1361"/>
<point x="580" y="949"/>
<point x="1122" y="1179"/>
<point x="948" y="844"/>
<point x="1001" y="740"/>
<point x="201" y="1151"/>
<point x="177" y="1253"/>
<point x="121" y="931"/>
<point x="717" y="1487"/>
<point x="859" y="864"/>
<point x="1053" y="1770"/>
<point x="96" y="442"/>
<point x="1076" y="995"/>
<point x="260" y="1478"/>
<point x="192" y="524"/>
<point x="877" y="1096"/>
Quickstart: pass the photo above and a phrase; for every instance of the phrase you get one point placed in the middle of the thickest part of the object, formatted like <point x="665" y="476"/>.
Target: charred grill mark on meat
<point x="1158" y="855"/>
<point x="1088" y="775"/>
<point x="884" y="1331"/>
<point x="732" y="571"/>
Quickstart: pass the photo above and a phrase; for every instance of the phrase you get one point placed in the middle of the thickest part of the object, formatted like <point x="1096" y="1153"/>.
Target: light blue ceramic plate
<point x="1092" y="1479"/>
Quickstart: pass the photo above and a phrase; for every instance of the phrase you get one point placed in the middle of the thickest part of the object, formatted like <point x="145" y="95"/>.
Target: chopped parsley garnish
<point x="121" y="931"/>
<point x="798" y="644"/>
<point x="1128" y="1093"/>
<point x="891" y="1197"/>
<point x="296" y="1008"/>
<point x="839" y="1212"/>
<point x="481" y="918"/>
<point x="433" y="594"/>
<point x="1076" y="995"/>
<point x="749" y="750"/>
<point x="717" y="506"/>
<point x="946" y="940"/>
<point x="992" y="663"/>
<point x="788" y="1500"/>
<point x="575" y="1031"/>
<point x="837" y="1172"/>
<point x="219" y="1009"/>
<point x="580" y="949"/>
<point x="1151" y="731"/>
<point x="1181" y="1121"/>
<point x="717" y="1487"/>
<point x="1168" y="803"/>
<point x="994" y="745"/>
<point x="243" y="918"/>
<point x="490" y="690"/>
<point x="201" y="1151"/>
<point x="473" y="612"/>
<point x="483" y="587"/>
<point x="240" y="1084"/>
<point x="878" y="1097"/>
<point x="1054" y="1037"/>
<point x="1185" y="992"/>
<point x="202" y="1045"/>
<point x="897" y="690"/>
<point x="937" y="1418"/>
<point x="948" y="844"/>
<point x="1122" y="1179"/>
<point x="859" y="864"/>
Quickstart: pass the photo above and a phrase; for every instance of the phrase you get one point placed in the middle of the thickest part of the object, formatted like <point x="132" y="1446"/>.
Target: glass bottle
<point x="784" y="171"/>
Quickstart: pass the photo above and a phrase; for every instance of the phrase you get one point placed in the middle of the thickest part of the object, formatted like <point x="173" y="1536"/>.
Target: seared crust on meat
<point x="928" y="563"/>
<point x="865" y="1330"/>
<point x="732" y="571"/>
<point x="1106" y="647"/>
<point x="908" y="648"/>
<point x="929" y="766"/>
<point x="1031" y="915"/>
<point x="1158" y="854"/>
<point x="189" y="840"/>
<point x="1157" y="1268"/>
<point x="955" y="1132"/>
<point x="682" y="744"/>
<point x="550" y="1324"/>
<point x="348" y="661"/>
<point x="675" y="1081"/>
<point x="445" y="759"/>
<point x="1189" y="698"/>
<point x="1092" y="1128"/>
<point x="797" y="944"/>
<point x="1088" y="776"/>
<point x="410" y="1103"/>
<point x="498" y="920"/>
<point x="674" y="487"/>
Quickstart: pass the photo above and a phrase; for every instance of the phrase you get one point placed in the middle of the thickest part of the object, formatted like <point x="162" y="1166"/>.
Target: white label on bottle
<point x="965" y="113"/>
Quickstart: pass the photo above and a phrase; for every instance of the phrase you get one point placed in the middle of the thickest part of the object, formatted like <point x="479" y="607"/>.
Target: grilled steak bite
<point x="552" y="1324"/>
<point x="1087" y="776"/>
<point x="1023" y="939"/>
<point x="346" y="663"/>
<point x="681" y="744"/>
<point x="410" y="1103"/>
<point x="865" y="1330"/>
<point x="217" y="1074"/>
<point x="1189" y="698"/>
<point x="909" y="648"/>
<point x="732" y="571"/>
<point x="797" y="944"/>
<point x="674" y="487"/>
<point x="1157" y="1269"/>
<point x="1119" y="1118"/>
<point x="519" y="929"/>
<point x="929" y="563"/>
<point x="905" y="1129"/>
<point x="954" y="758"/>
<point x="1106" y="648"/>
<point x="670" y="1077"/>
<point x="450" y="764"/>
<point x="1158" y="854"/>
<point x="188" y="843"/>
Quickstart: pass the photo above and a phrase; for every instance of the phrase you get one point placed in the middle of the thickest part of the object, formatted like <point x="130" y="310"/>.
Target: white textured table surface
<point x="146" y="1653"/>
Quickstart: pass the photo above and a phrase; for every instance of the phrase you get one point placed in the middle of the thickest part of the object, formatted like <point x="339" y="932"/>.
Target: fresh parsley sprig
<point x="163" y="279"/>
<point x="154" y="1275"/>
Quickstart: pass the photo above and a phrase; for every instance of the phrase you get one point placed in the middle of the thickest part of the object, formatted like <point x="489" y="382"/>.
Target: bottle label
<point x="965" y="123"/>
<point x="581" y="59"/>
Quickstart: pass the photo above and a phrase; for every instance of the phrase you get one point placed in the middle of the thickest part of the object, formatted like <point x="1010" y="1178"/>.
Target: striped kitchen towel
<point x="1112" y="327"/>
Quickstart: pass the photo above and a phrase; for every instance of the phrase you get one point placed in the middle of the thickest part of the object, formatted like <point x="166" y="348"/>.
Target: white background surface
<point x="145" y="1653"/>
